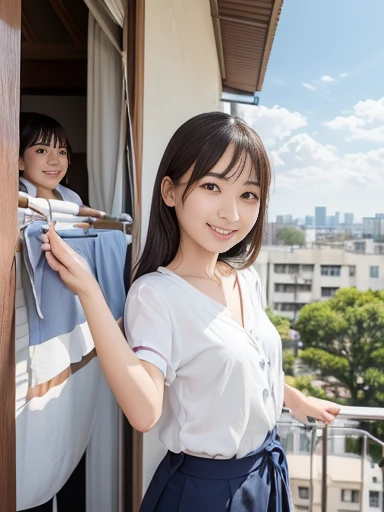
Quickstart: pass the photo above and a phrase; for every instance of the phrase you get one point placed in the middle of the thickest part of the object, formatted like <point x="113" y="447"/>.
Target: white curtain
<point x="105" y="105"/>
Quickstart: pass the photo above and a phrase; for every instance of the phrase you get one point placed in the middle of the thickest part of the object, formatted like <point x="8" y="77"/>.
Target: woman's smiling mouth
<point x="223" y="234"/>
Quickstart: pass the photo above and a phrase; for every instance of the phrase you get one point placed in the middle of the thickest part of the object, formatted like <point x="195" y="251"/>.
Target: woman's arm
<point x="303" y="407"/>
<point x="137" y="385"/>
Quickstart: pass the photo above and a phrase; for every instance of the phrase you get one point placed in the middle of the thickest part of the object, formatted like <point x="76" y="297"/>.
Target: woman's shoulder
<point x="251" y="275"/>
<point x="154" y="283"/>
<point x="252" y="278"/>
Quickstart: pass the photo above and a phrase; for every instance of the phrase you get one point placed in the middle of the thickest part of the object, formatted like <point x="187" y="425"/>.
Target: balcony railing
<point x="338" y="467"/>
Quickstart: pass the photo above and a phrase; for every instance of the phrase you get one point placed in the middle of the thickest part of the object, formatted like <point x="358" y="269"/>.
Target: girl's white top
<point x="66" y="193"/>
<point x="224" y="382"/>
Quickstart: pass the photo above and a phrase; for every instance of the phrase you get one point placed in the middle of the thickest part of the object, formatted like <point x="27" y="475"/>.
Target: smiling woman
<point x="44" y="156"/>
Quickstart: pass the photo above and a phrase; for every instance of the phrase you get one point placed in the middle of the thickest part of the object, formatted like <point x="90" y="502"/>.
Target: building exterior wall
<point x="300" y="271"/>
<point x="181" y="79"/>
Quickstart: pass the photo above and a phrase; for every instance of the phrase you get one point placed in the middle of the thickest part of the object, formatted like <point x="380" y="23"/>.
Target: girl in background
<point x="44" y="157"/>
<point x="202" y="356"/>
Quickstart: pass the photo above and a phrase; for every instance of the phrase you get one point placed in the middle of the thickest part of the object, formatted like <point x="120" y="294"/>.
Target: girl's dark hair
<point x="199" y="144"/>
<point x="38" y="128"/>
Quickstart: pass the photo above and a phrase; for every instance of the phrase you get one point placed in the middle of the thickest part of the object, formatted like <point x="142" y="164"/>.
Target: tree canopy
<point x="291" y="236"/>
<point x="343" y="337"/>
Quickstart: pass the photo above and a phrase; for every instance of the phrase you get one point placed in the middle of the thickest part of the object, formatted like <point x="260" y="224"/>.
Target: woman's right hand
<point x="72" y="268"/>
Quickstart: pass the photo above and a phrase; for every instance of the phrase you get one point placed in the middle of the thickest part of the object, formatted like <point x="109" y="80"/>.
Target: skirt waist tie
<point x="267" y="484"/>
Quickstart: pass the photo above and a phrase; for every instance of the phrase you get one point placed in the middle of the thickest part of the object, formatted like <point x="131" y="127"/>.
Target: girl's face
<point x="44" y="165"/>
<point x="219" y="212"/>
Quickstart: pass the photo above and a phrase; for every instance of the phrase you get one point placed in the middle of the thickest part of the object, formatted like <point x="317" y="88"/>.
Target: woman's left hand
<point x="316" y="408"/>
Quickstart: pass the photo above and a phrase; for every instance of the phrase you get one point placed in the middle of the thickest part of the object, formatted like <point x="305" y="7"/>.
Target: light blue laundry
<point x="53" y="309"/>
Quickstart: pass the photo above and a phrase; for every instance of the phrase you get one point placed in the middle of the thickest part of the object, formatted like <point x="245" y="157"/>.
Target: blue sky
<point x="321" y="111"/>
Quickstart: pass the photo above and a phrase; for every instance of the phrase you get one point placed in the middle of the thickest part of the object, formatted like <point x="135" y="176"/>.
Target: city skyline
<point x="341" y="216"/>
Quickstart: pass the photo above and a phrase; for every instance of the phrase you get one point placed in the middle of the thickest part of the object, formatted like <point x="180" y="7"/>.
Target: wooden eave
<point x="244" y="31"/>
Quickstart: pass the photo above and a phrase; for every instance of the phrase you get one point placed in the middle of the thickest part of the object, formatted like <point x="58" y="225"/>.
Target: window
<point x="304" y="493"/>
<point x="374" y="499"/>
<point x="350" y="496"/>
<point x="374" y="272"/>
<point x="328" y="291"/>
<point x="331" y="270"/>
<point x="374" y="479"/>
<point x="282" y="268"/>
<point x="352" y="270"/>
<point x="307" y="268"/>
<point x="290" y="288"/>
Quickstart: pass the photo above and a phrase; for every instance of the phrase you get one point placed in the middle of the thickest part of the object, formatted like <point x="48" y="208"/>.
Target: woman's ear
<point x="168" y="191"/>
<point x="21" y="163"/>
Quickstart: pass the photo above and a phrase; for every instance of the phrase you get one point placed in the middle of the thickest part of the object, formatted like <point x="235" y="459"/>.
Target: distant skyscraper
<point x="337" y="219"/>
<point x="309" y="221"/>
<point x="284" y="219"/>
<point x="348" y="219"/>
<point x="368" y="226"/>
<point x="331" y="221"/>
<point x="320" y="216"/>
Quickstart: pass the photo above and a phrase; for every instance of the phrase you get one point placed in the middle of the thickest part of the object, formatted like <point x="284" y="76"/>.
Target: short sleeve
<point x="148" y="328"/>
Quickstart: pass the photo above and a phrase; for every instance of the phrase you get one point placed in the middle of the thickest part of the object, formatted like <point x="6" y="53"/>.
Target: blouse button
<point x="265" y="394"/>
<point x="262" y="364"/>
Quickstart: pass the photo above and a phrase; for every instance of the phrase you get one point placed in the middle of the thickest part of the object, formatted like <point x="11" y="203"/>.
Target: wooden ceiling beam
<point x="70" y="25"/>
<point x="27" y="31"/>
<point x="38" y="51"/>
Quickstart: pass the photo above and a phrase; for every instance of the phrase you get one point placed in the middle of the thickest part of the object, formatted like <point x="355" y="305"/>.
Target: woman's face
<point x="219" y="212"/>
<point x="44" y="165"/>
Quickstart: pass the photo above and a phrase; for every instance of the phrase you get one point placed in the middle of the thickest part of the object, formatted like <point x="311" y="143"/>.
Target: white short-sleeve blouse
<point x="224" y="382"/>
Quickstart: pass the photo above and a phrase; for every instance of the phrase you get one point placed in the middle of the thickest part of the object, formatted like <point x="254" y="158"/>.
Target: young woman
<point x="201" y="354"/>
<point x="44" y="156"/>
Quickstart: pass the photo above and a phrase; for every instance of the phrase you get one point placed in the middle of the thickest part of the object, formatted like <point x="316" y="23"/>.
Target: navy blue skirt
<point x="258" y="482"/>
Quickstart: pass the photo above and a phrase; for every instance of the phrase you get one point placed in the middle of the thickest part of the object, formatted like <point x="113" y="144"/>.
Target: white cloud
<point x="358" y="125"/>
<point x="309" y="86"/>
<point x="309" y="172"/>
<point x="280" y="82"/>
<point x="327" y="78"/>
<point x="272" y="124"/>
<point x="343" y="75"/>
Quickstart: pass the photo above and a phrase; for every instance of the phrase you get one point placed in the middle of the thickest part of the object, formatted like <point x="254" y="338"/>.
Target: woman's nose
<point x="229" y="211"/>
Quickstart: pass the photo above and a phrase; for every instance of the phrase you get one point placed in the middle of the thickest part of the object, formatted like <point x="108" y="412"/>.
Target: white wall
<point x="182" y="79"/>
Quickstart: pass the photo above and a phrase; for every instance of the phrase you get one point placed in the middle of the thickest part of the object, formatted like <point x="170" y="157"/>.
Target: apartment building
<point x="292" y="278"/>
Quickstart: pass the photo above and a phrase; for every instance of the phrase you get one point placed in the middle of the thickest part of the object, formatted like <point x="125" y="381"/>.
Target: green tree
<point x="291" y="236"/>
<point x="344" y="338"/>
<point x="304" y="384"/>
<point x="289" y="362"/>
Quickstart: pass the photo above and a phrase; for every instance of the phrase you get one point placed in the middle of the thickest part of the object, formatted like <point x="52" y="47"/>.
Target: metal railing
<point x="317" y="436"/>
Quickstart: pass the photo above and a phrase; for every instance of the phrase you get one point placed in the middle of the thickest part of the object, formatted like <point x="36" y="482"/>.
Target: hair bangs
<point x="38" y="128"/>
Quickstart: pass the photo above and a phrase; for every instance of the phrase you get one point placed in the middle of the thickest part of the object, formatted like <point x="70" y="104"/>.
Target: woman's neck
<point x="193" y="260"/>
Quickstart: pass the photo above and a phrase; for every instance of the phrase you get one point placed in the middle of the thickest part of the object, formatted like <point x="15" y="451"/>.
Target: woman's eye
<point x="41" y="151"/>
<point x="63" y="152"/>
<point x="249" y="195"/>
<point x="210" y="186"/>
